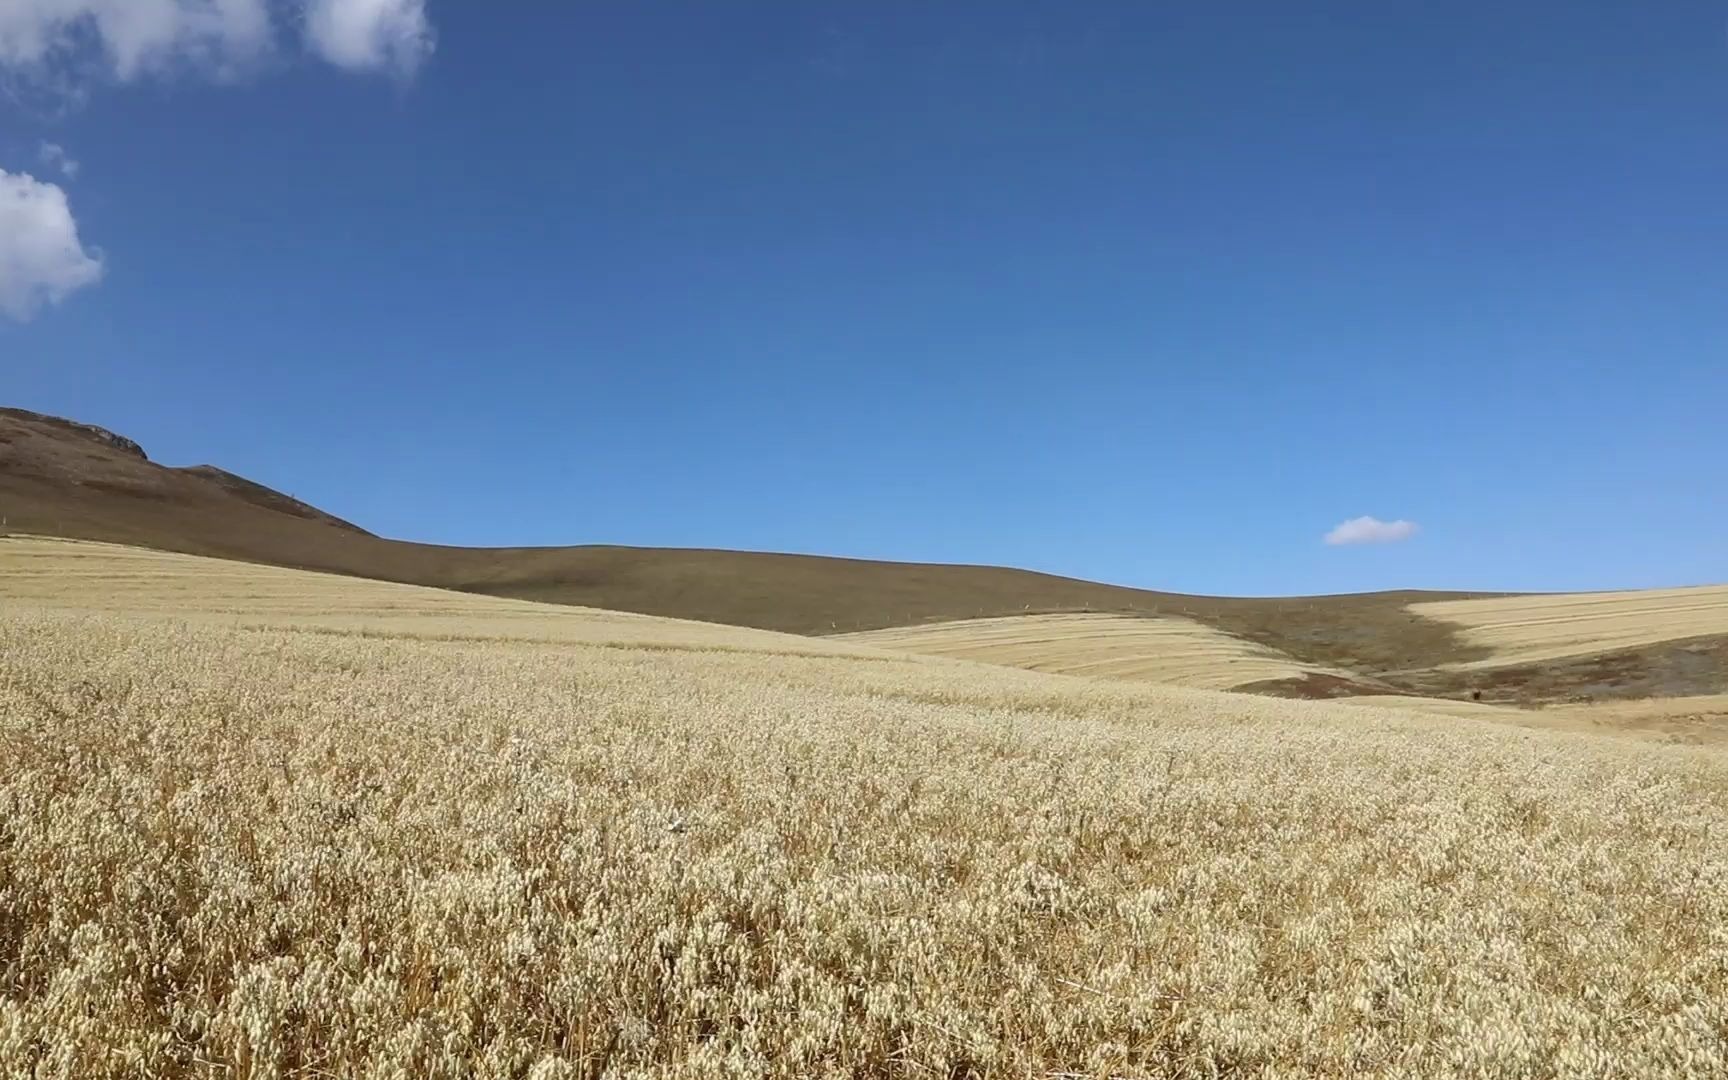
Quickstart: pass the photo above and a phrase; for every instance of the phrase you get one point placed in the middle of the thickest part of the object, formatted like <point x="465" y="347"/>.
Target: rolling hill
<point x="62" y="478"/>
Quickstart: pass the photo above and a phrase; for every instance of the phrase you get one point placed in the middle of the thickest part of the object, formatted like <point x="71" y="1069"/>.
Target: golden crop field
<point x="1526" y="629"/>
<point x="1166" y="649"/>
<point x="234" y="847"/>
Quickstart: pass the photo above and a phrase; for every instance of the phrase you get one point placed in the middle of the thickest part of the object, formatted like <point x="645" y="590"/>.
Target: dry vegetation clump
<point x="1166" y="649"/>
<point x="263" y="852"/>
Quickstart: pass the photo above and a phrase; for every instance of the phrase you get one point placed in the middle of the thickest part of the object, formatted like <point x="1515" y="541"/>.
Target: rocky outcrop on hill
<point x="90" y="431"/>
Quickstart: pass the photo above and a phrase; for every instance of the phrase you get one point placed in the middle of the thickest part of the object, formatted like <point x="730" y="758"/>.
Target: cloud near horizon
<point x="63" y="46"/>
<point x="42" y="260"/>
<point x="1370" y="530"/>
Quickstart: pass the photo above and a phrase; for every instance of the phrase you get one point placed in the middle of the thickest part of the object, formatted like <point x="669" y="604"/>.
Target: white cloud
<point x="42" y="260"/>
<point x="370" y="35"/>
<point x="130" y="38"/>
<point x="61" y="44"/>
<point x="1371" y="530"/>
<point x="55" y="156"/>
<point x="61" y="47"/>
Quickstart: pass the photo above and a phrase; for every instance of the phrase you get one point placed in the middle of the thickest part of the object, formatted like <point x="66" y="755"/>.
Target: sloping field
<point x="1475" y="710"/>
<point x="1702" y="719"/>
<point x="1698" y="720"/>
<point x="1166" y="649"/>
<point x="1528" y="629"/>
<point x="279" y="851"/>
<point x="70" y="575"/>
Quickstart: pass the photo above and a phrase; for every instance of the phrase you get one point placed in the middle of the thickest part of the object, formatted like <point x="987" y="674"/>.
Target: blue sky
<point x="1119" y="290"/>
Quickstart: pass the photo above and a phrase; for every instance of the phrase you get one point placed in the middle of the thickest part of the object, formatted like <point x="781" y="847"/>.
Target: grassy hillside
<point x="258" y="823"/>
<point x="60" y="478"/>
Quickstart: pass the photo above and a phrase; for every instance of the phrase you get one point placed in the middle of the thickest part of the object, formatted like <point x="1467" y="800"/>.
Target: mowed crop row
<point x="261" y="851"/>
<point x="1166" y="649"/>
<point x="1528" y="629"/>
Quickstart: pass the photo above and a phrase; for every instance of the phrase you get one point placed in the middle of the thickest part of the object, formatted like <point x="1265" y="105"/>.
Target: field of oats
<point x="247" y="831"/>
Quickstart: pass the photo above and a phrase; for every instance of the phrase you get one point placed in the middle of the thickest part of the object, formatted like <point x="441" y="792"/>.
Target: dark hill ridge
<point x="107" y="438"/>
<point x="62" y="478"/>
<point x="268" y="498"/>
<point x="71" y="460"/>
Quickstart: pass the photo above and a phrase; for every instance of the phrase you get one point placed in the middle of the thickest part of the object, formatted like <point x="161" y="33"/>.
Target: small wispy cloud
<point x="42" y="260"/>
<point x="55" y="157"/>
<point x="1370" y="530"/>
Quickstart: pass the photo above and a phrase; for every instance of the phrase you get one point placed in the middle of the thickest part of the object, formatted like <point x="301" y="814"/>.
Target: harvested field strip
<point x="1165" y="649"/>
<point x="1525" y="629"/>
